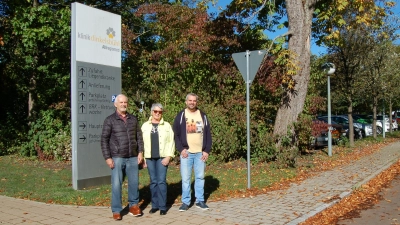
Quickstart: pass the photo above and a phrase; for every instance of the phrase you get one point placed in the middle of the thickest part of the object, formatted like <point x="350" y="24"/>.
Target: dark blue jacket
<point x="120" y="139"/>
<point x="179" y="128"/>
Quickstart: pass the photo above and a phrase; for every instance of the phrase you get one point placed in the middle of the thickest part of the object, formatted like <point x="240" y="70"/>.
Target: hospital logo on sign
<point x="110" y="32"/>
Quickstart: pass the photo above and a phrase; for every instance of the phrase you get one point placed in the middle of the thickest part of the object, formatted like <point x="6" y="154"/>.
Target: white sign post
<point x="95" y="81"/>
<point x="249" y="69"/>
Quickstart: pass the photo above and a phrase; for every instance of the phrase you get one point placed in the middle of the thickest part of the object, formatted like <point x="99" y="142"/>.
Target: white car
<point x="395" y="126"/>
<point x="368" y="119"/>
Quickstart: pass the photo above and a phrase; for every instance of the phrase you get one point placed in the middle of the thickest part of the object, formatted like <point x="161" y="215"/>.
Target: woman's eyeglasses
<point x="156" y="111"/>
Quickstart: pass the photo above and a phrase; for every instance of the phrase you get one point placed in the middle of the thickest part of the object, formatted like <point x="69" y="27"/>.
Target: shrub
<point x="48" y="138"/>
<point x="228" y="137"/>
<point x="287" y="151"/>
<point x="343" y="141"/>
<point x="11" y="133"/>
<point x="263" y="147"/>
<point x="303" y="131"/>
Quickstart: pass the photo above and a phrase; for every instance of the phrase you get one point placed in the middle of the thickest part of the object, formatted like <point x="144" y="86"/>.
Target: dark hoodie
<point x="179" y="128"/>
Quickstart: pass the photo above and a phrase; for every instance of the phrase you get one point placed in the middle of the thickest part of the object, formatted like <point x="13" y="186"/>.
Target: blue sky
<point x="221" y="4"/>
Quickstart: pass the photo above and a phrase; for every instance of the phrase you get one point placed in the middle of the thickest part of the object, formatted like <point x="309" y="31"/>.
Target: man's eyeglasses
<point x="156" y="111"/>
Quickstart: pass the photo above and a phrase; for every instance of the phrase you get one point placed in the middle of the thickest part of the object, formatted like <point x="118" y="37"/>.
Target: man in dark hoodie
<point x="192" y="132"/>
<point x="122" y="148"/>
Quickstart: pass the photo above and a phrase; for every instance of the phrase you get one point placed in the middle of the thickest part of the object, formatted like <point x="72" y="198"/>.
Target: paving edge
<point x="376" y="173"/>
<point x="318" y="209"/>
<point x="342" y="195"/>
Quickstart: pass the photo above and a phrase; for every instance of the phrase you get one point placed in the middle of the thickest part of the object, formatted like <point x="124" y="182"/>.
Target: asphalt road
<point x="385" y="212"/>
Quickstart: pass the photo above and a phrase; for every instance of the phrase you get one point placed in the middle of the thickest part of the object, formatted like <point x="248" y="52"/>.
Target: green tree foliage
<point x="41" y="57"/>
<point x="35" y="64"/>
<point x="298" y="16"/>
<point x="360" y="56"/>
<point x="185" y="51"/>
<point x="171" y="48"/>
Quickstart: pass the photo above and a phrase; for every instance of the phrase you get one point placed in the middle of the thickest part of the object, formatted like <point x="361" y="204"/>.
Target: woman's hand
<point x="165" y="161"/>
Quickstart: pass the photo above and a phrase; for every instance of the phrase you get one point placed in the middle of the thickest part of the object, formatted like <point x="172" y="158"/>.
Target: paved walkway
<point x="290" y="206"/>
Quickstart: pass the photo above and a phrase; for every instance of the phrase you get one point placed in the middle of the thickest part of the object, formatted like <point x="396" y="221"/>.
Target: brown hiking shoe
<point x="135" y="210"/>
<point x="117" y="216"/>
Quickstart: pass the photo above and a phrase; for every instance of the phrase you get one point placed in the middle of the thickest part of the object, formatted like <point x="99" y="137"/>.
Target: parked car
<point x="344" y="128"/>
<point x="395" y="126"/>
<point x="396" y="116"/>
<point x="365" y="119"/>
<point x="379" y="119"/>
<point x="363" y="129"/>
<point x="319" y="137"/>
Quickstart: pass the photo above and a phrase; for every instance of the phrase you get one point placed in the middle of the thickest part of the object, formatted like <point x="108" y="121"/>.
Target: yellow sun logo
<point x="110" y="33"/>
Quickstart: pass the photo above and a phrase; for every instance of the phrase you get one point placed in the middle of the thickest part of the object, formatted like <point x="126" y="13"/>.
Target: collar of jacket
<point x="117" y="116"/>
<point x="151" y="117"/>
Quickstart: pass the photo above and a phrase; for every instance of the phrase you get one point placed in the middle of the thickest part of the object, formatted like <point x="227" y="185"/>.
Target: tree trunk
<point x="374" y="107"/>
<point x="31" y="100"/>
<point x="32" y="81"/>
<point x="30" y="104"/>
<point x="390" y="115"/>
<point x="299" y="18"/>
<point x="351" y="124"/>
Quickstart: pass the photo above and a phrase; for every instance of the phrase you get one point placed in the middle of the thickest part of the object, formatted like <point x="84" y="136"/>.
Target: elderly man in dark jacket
<point x="122" y="148"/>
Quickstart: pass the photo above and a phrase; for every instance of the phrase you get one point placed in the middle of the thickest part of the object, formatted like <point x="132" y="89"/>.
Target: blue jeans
<point x="192" y="161"/>
<point x="158" y="183"/>
<point x="130" y="168"/>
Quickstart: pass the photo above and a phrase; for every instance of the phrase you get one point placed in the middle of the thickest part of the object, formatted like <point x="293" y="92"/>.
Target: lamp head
<point x="329" y="68"/>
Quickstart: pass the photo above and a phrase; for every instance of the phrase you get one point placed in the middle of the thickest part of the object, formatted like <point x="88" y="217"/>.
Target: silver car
<point x="365" y="129"/>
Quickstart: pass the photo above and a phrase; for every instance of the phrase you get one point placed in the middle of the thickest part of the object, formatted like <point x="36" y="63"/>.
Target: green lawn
<point x="51" y="182"/>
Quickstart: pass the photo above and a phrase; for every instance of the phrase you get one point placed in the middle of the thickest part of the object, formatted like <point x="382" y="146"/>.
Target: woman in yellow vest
<point x="159" y="149"/>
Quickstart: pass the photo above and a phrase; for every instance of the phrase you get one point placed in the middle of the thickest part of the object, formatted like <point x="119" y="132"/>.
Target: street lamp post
<point x="384" y="120"/>
<point x="329" y="69"/>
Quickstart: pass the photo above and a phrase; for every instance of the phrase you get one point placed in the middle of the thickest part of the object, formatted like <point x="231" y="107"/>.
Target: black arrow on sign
<point x="83" y="138"/>
<point x="82" y="95"/>
<point x="83" y="83"/>
<point x="82" y="107"/>
<point x="83" y="126"/>
<point x="82" y="70"/>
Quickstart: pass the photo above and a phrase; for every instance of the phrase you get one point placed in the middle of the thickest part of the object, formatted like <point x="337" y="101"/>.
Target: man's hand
<point x="110" y="163"/>
<point x="184" y="153"/>
<point x="144" y="164"/>
<point x="204" y="157"/>
<point x="140" y="157"/>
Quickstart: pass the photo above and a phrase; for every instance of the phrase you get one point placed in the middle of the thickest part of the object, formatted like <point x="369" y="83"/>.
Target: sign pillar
<point x="95" y="81"/>
<point x="248" y="70"/>
<point x="248" y="115"/>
